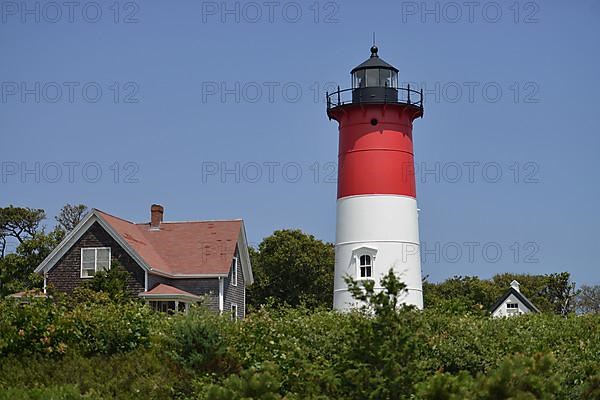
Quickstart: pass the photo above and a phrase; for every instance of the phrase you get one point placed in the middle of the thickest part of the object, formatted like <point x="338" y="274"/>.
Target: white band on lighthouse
<point x="384" y="228"/>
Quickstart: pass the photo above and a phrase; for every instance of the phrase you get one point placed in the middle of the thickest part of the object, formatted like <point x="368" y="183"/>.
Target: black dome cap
<point x="374" y="62"/>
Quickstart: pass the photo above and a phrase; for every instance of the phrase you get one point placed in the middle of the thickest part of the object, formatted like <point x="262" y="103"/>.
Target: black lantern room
<point x="374" y="81"/>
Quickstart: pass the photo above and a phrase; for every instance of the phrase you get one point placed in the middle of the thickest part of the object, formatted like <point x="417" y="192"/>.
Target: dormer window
<point x="234" y="274"/>
<point x="93" y="260"/>
<point x="365" y="266"/>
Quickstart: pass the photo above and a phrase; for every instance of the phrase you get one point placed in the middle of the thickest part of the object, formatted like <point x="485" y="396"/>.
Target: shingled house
<point x="171" y="264"/>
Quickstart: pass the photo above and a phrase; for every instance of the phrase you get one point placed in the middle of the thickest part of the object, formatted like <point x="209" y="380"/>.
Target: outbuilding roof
<point x="162" y="291"/>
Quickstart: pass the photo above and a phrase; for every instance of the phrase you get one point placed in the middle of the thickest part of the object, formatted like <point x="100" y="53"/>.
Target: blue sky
<point x="215" y="110"/>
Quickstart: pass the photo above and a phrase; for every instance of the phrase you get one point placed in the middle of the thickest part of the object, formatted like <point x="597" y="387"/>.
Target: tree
<point x="462" y="294"/>
<point x="18" y="223"/>
<point x="553" y="293"/>
<point x="23" y="226"/>
<point x="70" y="215"/>
<point x="17" y="269"/>
<point x="294" y="268"/>
<point x="588" y="299"/>
<point x="381" y="302"/>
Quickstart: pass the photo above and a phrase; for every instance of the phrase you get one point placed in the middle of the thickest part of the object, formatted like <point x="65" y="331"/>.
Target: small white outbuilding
<point x="513" y="303"/>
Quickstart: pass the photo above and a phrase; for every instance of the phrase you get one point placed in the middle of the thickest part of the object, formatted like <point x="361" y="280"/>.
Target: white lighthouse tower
<point x="377" y="225"/>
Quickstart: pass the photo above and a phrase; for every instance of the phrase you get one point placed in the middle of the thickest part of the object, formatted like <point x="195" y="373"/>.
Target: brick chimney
<point x="156" y="216"/>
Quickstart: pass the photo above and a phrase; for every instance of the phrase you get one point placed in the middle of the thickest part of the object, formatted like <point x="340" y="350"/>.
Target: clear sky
<point x="215" y="110"/>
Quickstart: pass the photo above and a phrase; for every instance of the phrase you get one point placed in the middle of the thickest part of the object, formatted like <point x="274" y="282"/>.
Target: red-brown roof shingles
<point x="181" y="248"/>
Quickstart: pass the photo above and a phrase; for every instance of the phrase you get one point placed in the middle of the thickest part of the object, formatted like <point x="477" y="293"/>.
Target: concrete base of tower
<point x="376" y="233"/>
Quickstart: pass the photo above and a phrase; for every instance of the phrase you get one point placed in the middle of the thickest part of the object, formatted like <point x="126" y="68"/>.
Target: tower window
<point x="365" y="266"/>
<point x="359" y="79"/>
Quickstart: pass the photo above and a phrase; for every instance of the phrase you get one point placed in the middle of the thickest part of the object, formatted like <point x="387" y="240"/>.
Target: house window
<point x="512" y="306"/>
<point x="234" y="277"/>
<point x="94" y="260"/>
<point x="234" y="311"/>
<point x="365" y="266"/>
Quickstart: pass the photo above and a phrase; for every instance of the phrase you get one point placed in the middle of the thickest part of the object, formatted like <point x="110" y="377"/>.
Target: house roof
<point x="162" y="291"/>
<point x="178" y="249"/>
<point x="181" y="248"/>
<point x="519" y="296"/>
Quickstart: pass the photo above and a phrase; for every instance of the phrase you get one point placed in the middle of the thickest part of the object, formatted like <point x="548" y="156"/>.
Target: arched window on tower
<point x="365" y="266"/>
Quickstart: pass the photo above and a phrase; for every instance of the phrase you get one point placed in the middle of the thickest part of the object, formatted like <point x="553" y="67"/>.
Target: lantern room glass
<point x="375" y="77"/>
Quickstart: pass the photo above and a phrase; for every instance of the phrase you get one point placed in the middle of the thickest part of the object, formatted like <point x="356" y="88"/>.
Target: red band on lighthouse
<point x="376" y="151"/>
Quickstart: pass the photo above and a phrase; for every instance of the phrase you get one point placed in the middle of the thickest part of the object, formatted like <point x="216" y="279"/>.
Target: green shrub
<point x="108" y="328"/>
<point x="197" y="341"/>
<point x="50" y="393"/>
<point x="254" y="383"/>
<point x="47" y="327"/>
<point x="31" y="327"/>
<point x="517" y="377"/>
<point x="139" y="374"/>
<point x="105" y="350"/>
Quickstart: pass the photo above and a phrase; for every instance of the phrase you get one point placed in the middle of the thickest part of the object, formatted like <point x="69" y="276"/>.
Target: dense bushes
<point x="45" y="326"/>
<point x="197" y="342"/>
<point x="68" y="392"/>
<point x="124" y="351"/>
<point x="140" y="374"/>
<point x="351" y="356"/>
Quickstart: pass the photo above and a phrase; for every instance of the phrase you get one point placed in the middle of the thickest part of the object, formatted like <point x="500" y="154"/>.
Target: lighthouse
<point x="377" y="225"/>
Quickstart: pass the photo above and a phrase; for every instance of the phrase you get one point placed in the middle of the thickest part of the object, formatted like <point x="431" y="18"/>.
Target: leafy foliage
<point x="23" y="227"/>
<point x="68" y="392"/>
<point x="196" y="341"/>
<point x="588" y="299"/>
<point x="291" y="267"/>
<point x="111" y="350"/>
<point x="19" y="223"/>
<point x="517" y="377"/>
<point x="553" y="293"/>
<point x="253" y="383"/>
<point x="140" y="374"/>
<point x="550" y="293"/>
<point x="112" y="282"/>
<point x="42" y="326"/>
<point x="70" y="215"/>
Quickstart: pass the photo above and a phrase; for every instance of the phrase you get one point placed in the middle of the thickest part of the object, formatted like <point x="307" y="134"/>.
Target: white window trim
<point x="359" y="266"/>
<point x="234" y="315"/>
<point x="95" y="260"/>
<point x="234" y="273"/>
<point x="221" y="295"/>
<point x="364" y="251"/>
